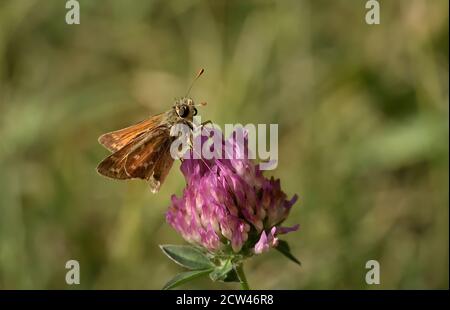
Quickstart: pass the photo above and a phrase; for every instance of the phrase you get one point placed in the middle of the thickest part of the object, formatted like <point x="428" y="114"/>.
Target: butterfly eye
<point x="194" y="113"/>
<point x="183" y="111"/>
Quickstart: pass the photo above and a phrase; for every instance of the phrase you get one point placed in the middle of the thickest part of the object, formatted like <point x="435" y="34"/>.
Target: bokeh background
<point x="363" y="130"/>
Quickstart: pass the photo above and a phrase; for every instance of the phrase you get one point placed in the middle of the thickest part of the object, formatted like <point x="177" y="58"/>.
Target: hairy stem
<point x="242" y="278"/>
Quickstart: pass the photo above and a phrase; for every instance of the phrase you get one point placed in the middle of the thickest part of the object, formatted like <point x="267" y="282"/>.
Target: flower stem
<point x="242" y="278"/>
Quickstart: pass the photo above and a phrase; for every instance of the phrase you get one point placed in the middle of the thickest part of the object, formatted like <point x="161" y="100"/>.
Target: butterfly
<point x="143" y="150"/>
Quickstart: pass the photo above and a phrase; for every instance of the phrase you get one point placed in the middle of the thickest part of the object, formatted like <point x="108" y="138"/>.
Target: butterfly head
<point x="185" y="108"/>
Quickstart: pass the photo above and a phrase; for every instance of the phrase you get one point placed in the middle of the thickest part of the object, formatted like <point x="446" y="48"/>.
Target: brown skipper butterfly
<point x="143" y="150"/>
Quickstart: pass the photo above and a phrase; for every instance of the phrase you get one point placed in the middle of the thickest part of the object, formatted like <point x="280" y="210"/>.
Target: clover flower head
<point x="228" y="206"/>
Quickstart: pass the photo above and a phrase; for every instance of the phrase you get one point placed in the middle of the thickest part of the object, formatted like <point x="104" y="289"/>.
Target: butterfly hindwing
<point x="113" y="166"/>
<point x="152" y="160"/>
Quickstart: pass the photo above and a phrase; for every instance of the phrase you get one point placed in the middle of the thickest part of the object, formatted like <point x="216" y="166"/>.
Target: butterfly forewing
<point x="116" y="140"/>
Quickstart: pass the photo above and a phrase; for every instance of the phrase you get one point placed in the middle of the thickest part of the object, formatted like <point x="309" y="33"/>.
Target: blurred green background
<point x="363" y="130"/>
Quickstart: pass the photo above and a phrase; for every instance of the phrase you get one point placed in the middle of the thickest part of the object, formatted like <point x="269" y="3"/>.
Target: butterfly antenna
<point x="195" y="79"/>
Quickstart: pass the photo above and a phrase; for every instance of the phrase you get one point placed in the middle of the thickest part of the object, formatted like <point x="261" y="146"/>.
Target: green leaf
<point x="185" y="277"/>
<point x="283" y="248"/>
<point x="187" y="256"/>
<point x="220" y="273"/>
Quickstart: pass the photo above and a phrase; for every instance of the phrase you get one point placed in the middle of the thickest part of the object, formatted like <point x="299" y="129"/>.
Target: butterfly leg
<point x="206" y="123"/>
